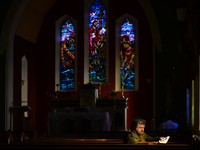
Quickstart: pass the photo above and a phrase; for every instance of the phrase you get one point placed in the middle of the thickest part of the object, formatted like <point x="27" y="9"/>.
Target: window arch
<point x="66" y="63"/>
<point x="96" y="41"/>
<point x="126" y="53"/>
<point x="67" y="56"/>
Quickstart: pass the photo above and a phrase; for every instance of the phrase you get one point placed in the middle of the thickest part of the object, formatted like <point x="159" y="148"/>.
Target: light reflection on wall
<point x="188" y="105"/>
<point x="192" y="109"/>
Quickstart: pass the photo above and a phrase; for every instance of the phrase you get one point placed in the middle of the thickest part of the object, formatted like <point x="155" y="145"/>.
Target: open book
<point x="165" y="140"/>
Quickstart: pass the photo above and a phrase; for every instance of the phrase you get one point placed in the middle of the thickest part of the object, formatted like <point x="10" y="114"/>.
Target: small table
<point x="72" y="122"/>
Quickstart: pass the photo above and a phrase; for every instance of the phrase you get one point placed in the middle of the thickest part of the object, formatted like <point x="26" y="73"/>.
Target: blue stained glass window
<point x="127" y="54"/>
<point x="97" y="42"/>
<point x="67" y="56"/>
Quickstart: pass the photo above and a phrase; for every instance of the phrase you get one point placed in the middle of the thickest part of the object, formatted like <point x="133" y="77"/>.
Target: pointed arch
<point x="96" y="45"/>
<point x="130" y="24"/>
<point x="97" y="42"/>
<point x="65" y="53"/>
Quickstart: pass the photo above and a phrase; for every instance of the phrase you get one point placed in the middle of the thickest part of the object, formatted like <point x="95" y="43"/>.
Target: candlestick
<point x="100" y="90"/>
<point x="105" y="90"/>
<point x="57" y="91"/>
<point x="90" y="76"/>
<point x="109" y="90"/>
<point x="122" y="90"/>
<point x="114" y="94"/>
<point x="78" y="90"/>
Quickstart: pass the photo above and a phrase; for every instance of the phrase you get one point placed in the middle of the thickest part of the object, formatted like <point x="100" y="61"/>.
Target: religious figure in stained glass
<point x="127" y="54"/>
<point x="67" y="56"/>
<point x="97" y="42"/>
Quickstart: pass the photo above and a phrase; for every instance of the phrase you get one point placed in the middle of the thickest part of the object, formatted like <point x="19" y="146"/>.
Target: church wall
<point x="46" y="56"/>
<point x="2" y="91"/>
<point x="170" y="85"/>
<point x="42" y="77"/>
<point x="21" y="48"/>
<point x="140" y="102"/>
<point x="4" y="5"/>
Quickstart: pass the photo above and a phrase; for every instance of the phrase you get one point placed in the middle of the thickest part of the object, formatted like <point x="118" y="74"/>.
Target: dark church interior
<point x="38" y="111"/>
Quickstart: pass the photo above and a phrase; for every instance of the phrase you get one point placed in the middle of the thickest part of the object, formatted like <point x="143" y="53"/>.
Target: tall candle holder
<point x="122" y="90"/>
<point x="109" y="90"/>
<point x="114" y="94"/>
<point x="90" y="77"/>
<point x="57" y="85"/>
<point x="105" y="91"/>
<point x="78" y="90"/>
<point x="100" y="90"/>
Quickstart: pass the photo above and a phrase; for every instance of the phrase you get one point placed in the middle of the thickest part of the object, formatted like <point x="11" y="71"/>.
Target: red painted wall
<point x="21" y="48"/>
<point x="140" y="102"/>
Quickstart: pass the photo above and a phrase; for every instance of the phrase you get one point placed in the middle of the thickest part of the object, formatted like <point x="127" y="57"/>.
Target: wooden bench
<point x="6" y="136"/>
<point x="75" y="146"/>
<point x="100" y="141"/>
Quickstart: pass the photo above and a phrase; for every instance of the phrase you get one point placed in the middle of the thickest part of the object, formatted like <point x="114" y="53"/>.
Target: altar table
<point x="73" y="122"/>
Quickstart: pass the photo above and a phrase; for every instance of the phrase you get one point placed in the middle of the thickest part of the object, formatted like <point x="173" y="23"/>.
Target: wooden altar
<point x="118" y="118"/>
<point x="63" y="123"/>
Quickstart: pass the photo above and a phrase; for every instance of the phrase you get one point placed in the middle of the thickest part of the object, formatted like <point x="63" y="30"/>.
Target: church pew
<point x="73" y="140"/>
<point x="6" y="136"/>
<point x="196" y="142"/>
<point x="31" y="134"/>
<point x="75" y="146"/>
<point x="93" y="141"/>
<point x="18" y="135"/>
<point x="176" y="137"/>
<point x="10" y="136"/>
<point x="62" y="144"/>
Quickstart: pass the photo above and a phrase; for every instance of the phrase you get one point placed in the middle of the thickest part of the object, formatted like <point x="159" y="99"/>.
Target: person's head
<point x="102" y="37"/>
<point x="139" y="125"/>
<point x="94" y="23"/>
<point x="127" y="44"/>
<point x="124" y="38"/>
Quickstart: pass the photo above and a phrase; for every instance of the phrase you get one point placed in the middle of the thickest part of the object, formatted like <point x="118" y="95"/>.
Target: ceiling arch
<point x="31" y="19"/>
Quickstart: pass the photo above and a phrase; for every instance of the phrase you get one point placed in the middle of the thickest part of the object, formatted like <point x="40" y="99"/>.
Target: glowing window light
<point x="67" y="56"/>
<point x="127" y="54"/>
<point x="97" y="42"/>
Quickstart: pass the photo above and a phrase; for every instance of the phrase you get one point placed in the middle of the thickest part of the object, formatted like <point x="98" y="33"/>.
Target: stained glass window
<point x="67" y="56"/>
<point x="127" y="54"/>
<point x="97" y="42"/>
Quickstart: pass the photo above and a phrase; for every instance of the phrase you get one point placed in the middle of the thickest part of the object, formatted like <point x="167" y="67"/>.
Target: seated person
<point x="136" y="133"/>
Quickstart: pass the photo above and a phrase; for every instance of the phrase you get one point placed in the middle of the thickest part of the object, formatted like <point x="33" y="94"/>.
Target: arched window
<point x="127" y="75"/>
<point x="127" y="54"/>
<point x="65" y="54"/>
<point x="97" y="42"/>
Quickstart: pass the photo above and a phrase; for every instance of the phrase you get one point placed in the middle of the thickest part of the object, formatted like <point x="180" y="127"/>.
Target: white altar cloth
<point x="99" y="121"/>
